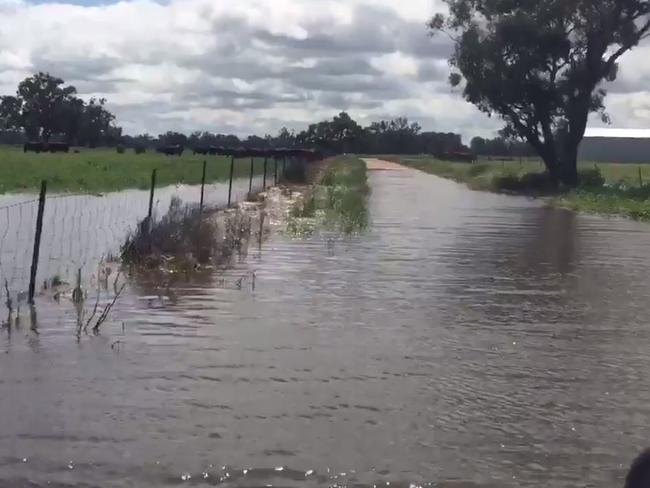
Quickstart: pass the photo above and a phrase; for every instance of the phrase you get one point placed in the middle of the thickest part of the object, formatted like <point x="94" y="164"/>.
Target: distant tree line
<point x="45" y="109"/>
<point x="501" y="147"/>
<point x="341" y="134"/>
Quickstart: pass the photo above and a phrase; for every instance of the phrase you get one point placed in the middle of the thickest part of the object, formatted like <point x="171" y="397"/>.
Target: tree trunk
<point x="570" y="172"/>
<point x="552" y="166"/>
<point x="569" y="162"/>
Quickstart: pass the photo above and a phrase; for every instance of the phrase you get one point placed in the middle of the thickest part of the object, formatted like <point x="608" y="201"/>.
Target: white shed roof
<point x="618" y="133"/>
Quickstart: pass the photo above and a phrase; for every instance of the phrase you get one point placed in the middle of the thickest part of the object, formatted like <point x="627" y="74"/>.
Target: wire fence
<point x="80" y="231"/>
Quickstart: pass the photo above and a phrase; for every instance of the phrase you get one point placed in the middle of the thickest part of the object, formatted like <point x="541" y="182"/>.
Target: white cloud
<point x="255" y="65"/>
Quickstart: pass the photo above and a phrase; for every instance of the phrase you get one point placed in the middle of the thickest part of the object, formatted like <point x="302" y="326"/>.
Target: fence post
<point x="266" y="160"/>
<point x="37" y="241"/>
<point x="232" y="171"/>
<point x="250" y="179"/>
<point x="275" y="172"/>
<point x="153" y="185"/>
<point x="205" y="164"/>
<point x="640" y="177"/>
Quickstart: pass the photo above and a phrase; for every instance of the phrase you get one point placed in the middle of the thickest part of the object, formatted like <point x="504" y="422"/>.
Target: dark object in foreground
<point x="639" y="474"/>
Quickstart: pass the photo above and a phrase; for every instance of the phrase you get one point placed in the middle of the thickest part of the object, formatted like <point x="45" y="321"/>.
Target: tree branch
<point x="642" y="33"/>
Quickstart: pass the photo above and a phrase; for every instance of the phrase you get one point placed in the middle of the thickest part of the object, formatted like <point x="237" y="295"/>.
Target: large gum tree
<point x="541" y="65"/>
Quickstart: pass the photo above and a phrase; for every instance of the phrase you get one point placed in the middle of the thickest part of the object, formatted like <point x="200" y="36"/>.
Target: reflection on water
<point x="467" y="339"/>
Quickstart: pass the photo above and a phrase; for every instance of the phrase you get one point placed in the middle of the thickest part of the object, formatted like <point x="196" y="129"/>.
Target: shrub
<point x="186" y="238"/>
<point x="478" y="169"/>
<point x="183" y="233"/>
<point x="120" y="149"/>
<point x="538" y="182"/>
<point x="528" y="183"/>
<point x="140" y="149"/>
<point x="591" y="177"/>
<point x="507" y="183"/>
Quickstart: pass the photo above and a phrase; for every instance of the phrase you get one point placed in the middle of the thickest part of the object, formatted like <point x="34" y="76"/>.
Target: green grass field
<point x="626" y="191"/>
<point x="102" y="170"/>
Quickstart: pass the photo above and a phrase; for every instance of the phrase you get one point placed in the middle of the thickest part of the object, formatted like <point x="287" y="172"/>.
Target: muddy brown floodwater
<point x="466" y="340"/>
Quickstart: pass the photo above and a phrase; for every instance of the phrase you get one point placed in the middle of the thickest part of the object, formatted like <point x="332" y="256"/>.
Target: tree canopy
<point x="541" y="64"/>
<point x="44" y="107"/>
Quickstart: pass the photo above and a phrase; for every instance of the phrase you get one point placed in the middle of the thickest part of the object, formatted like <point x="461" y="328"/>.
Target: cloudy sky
<point x="252" y="66"/>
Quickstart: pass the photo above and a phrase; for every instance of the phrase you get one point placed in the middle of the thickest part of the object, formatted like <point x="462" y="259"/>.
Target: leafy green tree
<point x="70" y="118"/>
<point x="96" y="122"/>
<point x="42" y="99"/>
<point x="10" y="112"/>
<point x="44" y="106"/>
<point x="478" y="146"/>
<point x="541" y="64"/>
<point x="171" y="138"/>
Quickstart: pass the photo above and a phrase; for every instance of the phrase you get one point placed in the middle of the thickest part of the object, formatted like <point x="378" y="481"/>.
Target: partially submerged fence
<point x="47" y="240"/>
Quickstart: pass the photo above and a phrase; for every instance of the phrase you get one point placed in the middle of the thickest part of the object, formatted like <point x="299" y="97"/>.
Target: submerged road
<point x="466" y="340"/>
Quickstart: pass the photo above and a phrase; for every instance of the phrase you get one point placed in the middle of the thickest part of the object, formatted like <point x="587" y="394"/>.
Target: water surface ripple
<point x="467" y="340"/>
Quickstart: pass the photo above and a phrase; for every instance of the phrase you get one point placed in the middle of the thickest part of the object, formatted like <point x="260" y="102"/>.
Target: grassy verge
<point x="614" y="189"/>
<point x="101" y="170"/>
<point x="338" y="202"/>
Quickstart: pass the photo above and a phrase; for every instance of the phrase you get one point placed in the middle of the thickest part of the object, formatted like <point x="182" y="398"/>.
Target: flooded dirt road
<point x="466" y="340"/>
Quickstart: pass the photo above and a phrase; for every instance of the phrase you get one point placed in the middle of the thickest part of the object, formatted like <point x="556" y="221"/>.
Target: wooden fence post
<point x="640" y="177"/>
<point x="37" y="241"/>
<point x="266" y="160"/>
<point x="232" y="171"/>
<point x="250" y="179"/>
<point x="153" y="185"/>
<point x="275" y="172"/>
<point x="205" y="164"/>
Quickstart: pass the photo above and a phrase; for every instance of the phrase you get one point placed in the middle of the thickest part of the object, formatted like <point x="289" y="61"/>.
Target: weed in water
<point x="186" y="239"/>
<point x="338" y="202"/>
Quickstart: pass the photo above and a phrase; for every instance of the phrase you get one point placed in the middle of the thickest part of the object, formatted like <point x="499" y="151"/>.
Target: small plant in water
<point x="339" y="202"/>
<point x="57" y="281"/>
<point x="187" y="239"/>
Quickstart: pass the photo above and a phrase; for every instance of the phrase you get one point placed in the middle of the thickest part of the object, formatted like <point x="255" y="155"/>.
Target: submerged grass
<point x="614" y="199"/>
<point x="186" y="239"/>
<point x="611" y="188"/>
<point x="338" y="202"/>
<point x="101" y="170"/>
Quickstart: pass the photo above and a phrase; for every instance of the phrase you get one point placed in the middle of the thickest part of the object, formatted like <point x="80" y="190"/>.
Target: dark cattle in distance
<point x="171" y="150"/>
<point x="240" y="152"/>
<point x="55" y="147"/>
<point x="201" y="150"/>
<point x="457" y="156"/>
<point x="36" y="147"/>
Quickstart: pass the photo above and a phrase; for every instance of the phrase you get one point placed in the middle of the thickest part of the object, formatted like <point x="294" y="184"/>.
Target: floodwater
<point x="466" y="340"/>
<point x="80" y="230"/>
